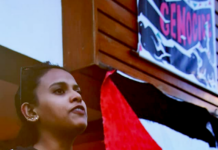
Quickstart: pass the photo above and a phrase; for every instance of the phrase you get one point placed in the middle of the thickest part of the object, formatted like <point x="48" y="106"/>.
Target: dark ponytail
<point x="27" y="136"/>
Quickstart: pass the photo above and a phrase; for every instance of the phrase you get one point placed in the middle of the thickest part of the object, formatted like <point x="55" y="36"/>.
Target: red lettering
<point x="209" y="25"/>
<point x="164" y="29"/>
<point x="184" y="23"/>
<point x="189" y="27"/>
<point x="173" y="20"/>
<point x="199" y="28"/>
<point x="203" y="26"/>
<point x="195" y="31"/>
<point x="180" y="24"/>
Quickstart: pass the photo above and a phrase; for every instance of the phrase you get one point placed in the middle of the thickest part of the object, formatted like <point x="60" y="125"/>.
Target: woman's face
<point x="60" y="104"/>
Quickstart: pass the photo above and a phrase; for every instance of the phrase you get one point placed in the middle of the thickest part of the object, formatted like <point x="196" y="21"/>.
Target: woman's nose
<point x="75" y="97"/>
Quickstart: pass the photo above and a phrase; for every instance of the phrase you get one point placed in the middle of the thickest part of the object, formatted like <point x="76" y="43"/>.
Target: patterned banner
<point x="179" y="35"/>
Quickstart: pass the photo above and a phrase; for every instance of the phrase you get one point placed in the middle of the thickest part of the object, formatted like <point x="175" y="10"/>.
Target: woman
<point x="51" y="108"/>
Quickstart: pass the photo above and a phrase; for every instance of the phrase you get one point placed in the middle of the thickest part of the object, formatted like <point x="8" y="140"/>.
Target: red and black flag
<point x="138" y="116"/>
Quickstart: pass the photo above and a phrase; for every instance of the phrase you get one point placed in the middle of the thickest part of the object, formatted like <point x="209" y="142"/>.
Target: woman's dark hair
<point x="29" y="80"/>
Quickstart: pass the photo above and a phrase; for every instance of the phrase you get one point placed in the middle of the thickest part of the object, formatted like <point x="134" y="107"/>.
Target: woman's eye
<point x="78" y="91"/>
<point x="59" y="91"/>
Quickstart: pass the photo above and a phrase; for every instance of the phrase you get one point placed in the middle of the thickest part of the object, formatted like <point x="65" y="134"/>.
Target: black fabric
<point x="214" y="123"/>
<point x="150" y="103"/>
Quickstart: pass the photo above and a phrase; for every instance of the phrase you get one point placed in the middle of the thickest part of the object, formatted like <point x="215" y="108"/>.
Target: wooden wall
<point x="92" y="138"/>
<point x="117" y="36"/>
<point x="79" y="57"/>
<point x="97" y="32"/>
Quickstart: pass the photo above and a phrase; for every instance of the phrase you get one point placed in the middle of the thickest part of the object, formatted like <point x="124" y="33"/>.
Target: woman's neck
<point x="54" y="141"/>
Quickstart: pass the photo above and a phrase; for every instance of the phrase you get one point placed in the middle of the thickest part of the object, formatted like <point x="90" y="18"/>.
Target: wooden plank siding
<point x="117" y="36"/>
<point x="78" y="35"/>
<point x="159" y="84"/>
<point x="99" y="32"/>
<point x="93" y="132"/>
<point x="118" y="13"/>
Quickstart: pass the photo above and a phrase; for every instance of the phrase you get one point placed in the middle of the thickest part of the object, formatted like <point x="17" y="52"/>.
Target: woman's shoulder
<point x="24" y="148"/>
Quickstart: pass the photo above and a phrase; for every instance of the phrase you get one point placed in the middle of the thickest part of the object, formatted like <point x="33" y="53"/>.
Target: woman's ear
<point x="29" y="112"/>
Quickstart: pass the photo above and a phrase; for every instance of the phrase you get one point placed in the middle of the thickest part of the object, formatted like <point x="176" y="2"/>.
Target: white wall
<point x="32" y="28"/>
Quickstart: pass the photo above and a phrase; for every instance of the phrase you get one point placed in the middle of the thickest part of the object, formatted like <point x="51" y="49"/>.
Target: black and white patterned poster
<point x="179" y="35"/>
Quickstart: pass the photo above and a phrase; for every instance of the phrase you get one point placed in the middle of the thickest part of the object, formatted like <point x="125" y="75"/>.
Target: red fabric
<point x="122" y="128"/>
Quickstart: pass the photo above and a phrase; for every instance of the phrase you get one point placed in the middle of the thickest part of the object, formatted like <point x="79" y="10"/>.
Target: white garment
<point x="169" y="139"/>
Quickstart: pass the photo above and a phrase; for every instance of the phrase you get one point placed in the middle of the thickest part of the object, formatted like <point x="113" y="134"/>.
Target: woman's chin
<point x="80" y="127"/>
<point x="81" y="124"/>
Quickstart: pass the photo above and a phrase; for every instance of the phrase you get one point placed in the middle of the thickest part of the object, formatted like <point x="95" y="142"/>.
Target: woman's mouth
<point x="80" y="110"/>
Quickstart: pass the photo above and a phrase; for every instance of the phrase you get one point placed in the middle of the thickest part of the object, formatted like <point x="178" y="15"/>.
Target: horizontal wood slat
<point x="128" y="4"/>
<point x="121" y="52"/>
<point x="118" y="13"/>
<point x="117" y="31"/>
<point x="159" y="84"/>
